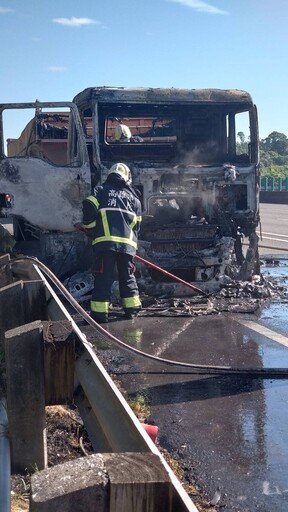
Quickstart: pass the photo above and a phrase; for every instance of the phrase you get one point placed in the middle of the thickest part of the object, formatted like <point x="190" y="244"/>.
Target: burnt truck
<point x="199" y="186"/>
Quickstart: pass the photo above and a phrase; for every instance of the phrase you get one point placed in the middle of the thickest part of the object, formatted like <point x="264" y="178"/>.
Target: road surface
<point x="229" y="432"/>
<point x="274" y="229"/>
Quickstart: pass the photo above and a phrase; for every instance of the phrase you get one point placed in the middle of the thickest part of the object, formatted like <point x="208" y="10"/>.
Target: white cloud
<point x="200" y="6"/>
<point x="56" y="69"/>
<point x="75" y="22"/>
<point x="4" y="10"/>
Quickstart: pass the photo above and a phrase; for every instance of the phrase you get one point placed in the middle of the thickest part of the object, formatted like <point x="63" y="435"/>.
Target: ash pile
<point x="234" y="296"/>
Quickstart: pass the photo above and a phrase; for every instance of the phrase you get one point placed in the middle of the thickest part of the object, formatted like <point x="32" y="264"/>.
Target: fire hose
<point x="176" y="278"/>
<point x="194" y="368"/>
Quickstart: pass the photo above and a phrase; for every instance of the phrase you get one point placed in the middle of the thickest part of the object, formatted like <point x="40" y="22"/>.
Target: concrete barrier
<point x="275" y="197"/>
<point x="108" y="482"/>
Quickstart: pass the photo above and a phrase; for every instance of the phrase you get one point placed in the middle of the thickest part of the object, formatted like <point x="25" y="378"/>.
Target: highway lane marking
<point x="274" y="239"/>
<point x="264" y="331"/>
<point x="174" y="337"/>
<point x="272" y="234"/>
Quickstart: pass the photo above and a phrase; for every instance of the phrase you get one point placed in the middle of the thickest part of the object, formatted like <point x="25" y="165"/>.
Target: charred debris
<point x="161" y="299"/>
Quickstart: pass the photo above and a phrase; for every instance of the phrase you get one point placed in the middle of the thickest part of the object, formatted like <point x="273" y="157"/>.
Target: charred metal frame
<point x="45" y="194"/>
<point x="222" y="192"/>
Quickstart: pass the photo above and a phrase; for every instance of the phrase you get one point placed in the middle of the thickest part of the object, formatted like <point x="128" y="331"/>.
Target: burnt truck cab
<point x="199" y="188"/>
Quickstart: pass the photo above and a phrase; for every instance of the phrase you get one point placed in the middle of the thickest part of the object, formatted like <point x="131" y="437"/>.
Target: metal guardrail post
<point x="24" y="349"/>
<point x="264" y="183"/>
<point x="272" y="184"/>
<point x="22" y="302"/>
<point x="5" y="472"/>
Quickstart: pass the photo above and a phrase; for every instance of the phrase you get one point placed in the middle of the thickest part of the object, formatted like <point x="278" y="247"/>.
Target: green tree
<point x="275" y="141"/>
<point x="241" y="136"/>
<point x="242" y="146"/>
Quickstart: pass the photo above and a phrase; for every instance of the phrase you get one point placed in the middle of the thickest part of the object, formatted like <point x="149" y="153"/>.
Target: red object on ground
<point x="152" y="431"/>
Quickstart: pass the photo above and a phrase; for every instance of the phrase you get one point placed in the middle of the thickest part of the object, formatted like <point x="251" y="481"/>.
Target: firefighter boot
<point x="131" y="313"/>
<point x="100" y="318"/>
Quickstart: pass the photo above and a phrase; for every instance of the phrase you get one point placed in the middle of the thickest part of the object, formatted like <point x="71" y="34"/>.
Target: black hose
<point x="197" y="369"/>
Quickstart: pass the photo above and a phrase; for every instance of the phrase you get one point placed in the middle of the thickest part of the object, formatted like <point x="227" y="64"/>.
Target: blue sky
<point x="54" y="49"/>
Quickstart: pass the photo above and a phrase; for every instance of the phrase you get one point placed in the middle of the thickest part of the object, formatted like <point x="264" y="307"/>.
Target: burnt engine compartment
<point x="194" y="227"/>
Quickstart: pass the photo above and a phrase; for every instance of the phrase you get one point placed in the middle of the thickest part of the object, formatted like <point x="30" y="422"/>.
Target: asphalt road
<point x="229" y="432"/>
<point x="273" y="228"/>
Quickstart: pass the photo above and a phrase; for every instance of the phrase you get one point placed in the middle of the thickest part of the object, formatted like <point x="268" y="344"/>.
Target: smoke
<point x="202" y="154"/>
<point x="194" y="197"/>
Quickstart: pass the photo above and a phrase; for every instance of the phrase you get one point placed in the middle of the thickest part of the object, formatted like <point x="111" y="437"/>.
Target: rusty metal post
<point x="22" y="302"/>
<point x="59" y="362"/>
<point x="26" y="396"/>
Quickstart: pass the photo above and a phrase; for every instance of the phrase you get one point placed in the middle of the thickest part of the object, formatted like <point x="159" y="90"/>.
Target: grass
<point x="140" y="405"/>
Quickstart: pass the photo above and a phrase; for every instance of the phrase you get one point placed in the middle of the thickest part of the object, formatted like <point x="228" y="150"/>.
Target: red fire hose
<point x="152" y="265"/>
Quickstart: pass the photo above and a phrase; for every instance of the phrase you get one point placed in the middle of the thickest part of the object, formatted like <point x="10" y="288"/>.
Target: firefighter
<point x="122" y="133"/>
<point x="112" y="216"/>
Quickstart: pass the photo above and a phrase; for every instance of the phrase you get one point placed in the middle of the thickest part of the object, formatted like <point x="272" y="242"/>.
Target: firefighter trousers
<point x="105" y="263"/>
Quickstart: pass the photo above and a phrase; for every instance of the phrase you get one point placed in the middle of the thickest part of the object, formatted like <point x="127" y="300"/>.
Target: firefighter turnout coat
<point x="112" y="216"/>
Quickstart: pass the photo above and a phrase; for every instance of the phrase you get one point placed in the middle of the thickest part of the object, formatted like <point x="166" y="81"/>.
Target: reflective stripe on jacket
<point x="113" y="217"/>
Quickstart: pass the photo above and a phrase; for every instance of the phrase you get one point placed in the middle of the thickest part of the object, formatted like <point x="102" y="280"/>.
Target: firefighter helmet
<point x="122" y="132"/>
<point x="123" y="171"/>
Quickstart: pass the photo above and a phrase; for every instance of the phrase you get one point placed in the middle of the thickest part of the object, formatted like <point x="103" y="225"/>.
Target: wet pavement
<point x="229" y="431"/>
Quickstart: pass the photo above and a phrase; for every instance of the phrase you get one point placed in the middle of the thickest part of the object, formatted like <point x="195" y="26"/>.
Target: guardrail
<point x="274" y="190"/>
<point x="4" y="459"/>
<point x="127" y="468"/>
<point x="271" y="184"/>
